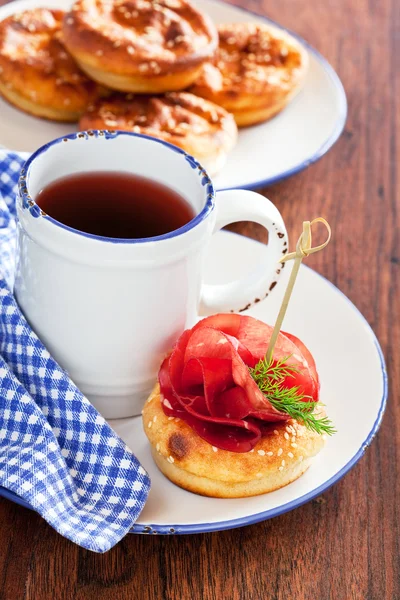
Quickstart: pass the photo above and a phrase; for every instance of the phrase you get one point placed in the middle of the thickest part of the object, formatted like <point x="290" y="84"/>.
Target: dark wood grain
<point x="344" y="545"/>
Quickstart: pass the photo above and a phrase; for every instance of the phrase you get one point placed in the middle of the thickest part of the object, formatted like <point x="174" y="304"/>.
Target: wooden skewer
<point x="303" y="249"/>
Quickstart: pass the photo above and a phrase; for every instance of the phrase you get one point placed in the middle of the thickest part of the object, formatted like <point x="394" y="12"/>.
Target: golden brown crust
<point x="256" y="72"/>
<point x="37" y="74"/>
<point x="144" y="46"/>
<point x="197" y="126"/>
<point x="205" y="486"/>
<point x="192" y="463"/>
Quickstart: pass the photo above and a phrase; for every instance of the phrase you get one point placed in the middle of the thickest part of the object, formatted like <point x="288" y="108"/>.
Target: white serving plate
<point x="265" y="153"/>
<point x="338" y="336"/>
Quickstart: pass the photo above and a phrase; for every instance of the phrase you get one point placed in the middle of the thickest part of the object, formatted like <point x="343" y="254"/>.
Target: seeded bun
<point x="37" y="74"/>
<point x="258" y="69"/>
<point x="193" y="464"/>
<point x="140" y="46"/>
<point x="198" y="126"/>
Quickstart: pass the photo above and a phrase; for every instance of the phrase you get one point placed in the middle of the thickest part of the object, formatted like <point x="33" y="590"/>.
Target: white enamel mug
<point x="109" y="309"/>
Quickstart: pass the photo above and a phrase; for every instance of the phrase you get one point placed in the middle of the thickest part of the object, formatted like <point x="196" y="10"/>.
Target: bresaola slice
<point x="206" y="380"/>
<point x="254" y="336"/>
<point x="235" y="435"/>
<point x="307" y="355"/>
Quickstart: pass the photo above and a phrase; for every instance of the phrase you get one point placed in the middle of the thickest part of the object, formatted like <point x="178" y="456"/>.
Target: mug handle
<point x="237" y="296"/>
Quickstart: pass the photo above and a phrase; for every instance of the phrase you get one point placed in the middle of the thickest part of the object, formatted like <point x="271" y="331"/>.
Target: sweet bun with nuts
<point x="37" y="74"/>
<point x="198" y="126"/>
<point x="143" y="46"/>
<point x="256" y="72"/>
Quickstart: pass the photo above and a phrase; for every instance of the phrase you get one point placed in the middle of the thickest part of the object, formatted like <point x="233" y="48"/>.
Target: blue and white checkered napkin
<point x="56" y="451"/>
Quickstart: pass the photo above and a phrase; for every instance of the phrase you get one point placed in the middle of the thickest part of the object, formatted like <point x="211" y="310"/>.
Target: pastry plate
<point x="264" y="154"/>
<point x="338" y="336"/>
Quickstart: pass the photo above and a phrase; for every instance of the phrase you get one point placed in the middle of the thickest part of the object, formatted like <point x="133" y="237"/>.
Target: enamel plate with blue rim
<point x="264" y="154"/>
<point x="338" y="336"/>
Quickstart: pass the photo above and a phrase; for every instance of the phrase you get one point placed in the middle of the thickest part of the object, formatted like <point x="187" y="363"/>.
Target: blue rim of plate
<point x="273" y="512"/>
<point x="337" y="131"/>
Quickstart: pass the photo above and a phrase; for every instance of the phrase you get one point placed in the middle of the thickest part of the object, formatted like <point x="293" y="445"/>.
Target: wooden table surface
<point x="345" y="544"/>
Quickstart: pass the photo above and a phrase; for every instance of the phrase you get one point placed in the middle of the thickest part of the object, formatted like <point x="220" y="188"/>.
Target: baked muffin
<point x="257" y="70"/>
<point x="143" y="46"/>
<point x="198" y="126"/>
<point x="225" y="422"/>
<point x="197" y="466"/>
<point x="37" y="74"/>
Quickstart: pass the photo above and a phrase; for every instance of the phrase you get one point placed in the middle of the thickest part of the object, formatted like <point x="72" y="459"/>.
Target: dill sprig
<point x="269" y="377"/>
